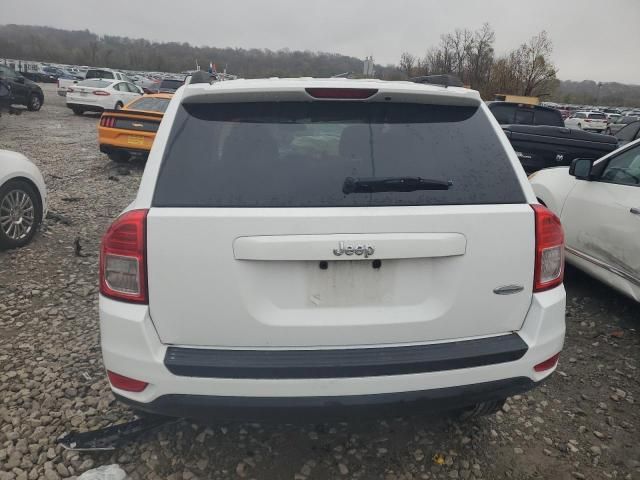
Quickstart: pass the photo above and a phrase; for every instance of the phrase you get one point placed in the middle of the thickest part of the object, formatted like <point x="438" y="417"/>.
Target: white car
<point x="23" y="200"/>
<point x="330" y="245"/>
<point x="97" y="95"/>
<point x="599" y="205"/>
<point x="590" y="121"/>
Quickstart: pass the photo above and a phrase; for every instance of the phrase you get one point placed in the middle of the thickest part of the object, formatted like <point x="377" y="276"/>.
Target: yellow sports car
<point x="129" y="132"/>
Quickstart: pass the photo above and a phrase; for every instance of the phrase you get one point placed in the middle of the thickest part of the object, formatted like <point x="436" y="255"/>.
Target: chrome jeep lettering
<point x="359" y="250"/>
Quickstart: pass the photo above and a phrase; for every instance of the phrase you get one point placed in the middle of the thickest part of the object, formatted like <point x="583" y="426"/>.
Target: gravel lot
<point x="583" y="423"/>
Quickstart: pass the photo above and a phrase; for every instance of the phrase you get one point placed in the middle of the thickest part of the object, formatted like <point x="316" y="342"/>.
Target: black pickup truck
<point x="541" y="140"/>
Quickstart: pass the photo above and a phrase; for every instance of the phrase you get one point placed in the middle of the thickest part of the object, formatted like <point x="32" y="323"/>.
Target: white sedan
<point x="598" y="203"/>
<point x="97" y="95"/>
<point x="23" y="200"/>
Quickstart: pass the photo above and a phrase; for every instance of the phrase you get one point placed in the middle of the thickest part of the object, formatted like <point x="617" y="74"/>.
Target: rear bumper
<point x="354" y="406"/>
<point x="85" y="107"/>
<point x="136" y="152"/>
<point x="131" y="347"/>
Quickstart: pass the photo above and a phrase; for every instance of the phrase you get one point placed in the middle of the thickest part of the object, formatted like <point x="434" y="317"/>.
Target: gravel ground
<point x="583" y="423"/>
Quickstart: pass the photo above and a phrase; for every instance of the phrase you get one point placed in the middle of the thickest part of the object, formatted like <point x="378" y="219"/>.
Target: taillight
<point x="549" y="263"/>
<point x="107" y="121"/>
<point x="342" y="93"/>
<point x="123" y="267"/>
<point x="548" y="364"/>
<point x="125" y="383"/>
<point x="102" y="93"/>
<point x="69" y="89"/>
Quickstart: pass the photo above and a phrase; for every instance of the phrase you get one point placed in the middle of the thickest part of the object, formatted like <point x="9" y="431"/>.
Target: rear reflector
<point x="342" y="93"/>
<point x="547" y="364"/>
<point x="549" y="262"/>
<point x="125" y="383"/>
<point x="123" y="270"/>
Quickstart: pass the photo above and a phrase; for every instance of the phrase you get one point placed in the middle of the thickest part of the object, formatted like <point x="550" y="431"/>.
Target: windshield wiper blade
<point x="392" y="184"/>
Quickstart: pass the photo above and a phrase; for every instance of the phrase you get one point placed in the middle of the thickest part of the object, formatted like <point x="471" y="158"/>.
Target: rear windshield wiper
<point x="392" y="184"/>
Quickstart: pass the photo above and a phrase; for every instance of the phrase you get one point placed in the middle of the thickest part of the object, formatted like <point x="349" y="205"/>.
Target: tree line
<point x="83" y="47"/>
<point x="527" y="69"/>
<point x="470" y="55"/>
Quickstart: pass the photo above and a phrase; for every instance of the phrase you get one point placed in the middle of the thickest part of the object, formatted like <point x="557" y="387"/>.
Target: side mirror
<point x="581" y="168"/>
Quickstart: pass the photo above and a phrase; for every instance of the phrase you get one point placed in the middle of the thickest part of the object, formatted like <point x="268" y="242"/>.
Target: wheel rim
<point x="35" y="102"/>
<point x="17" y="214"/>
<point x="118" y="106"/>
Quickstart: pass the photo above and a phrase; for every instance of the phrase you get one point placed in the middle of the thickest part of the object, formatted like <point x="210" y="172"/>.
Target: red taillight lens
<point x="549" y="263"/>
<point x="102" y="93"/>
<point x="123" y="268"/>
<point x="107" y="121"/>
<point x="125" y="383"/>
<point x="69" y="89"/>
<point x="342" y="93"/>
<point x="548" y="364"/>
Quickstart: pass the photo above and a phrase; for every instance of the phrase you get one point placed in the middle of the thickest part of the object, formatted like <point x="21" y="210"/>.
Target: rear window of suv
<point x="99" y="74"/>
<point x="299" y="154"/>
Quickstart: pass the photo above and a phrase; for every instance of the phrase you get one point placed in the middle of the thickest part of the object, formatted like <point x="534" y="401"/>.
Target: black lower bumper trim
<point x="352" y="406"/>
<point x="341" y="363"/>
<point x="136" y="152"/>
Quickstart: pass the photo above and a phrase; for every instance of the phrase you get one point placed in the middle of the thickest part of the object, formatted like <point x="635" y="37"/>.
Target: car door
<point x="628" y="133"/>
<point x="17" y="83"/>
<point x="602" y="222"/>
<point x="134" y="91"/>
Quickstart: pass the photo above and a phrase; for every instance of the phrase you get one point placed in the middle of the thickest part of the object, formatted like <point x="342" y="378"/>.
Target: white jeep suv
<point x="329" y="245"/>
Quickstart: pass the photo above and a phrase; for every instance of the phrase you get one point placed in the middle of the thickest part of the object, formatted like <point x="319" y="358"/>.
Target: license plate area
<point x="134" y="140"/>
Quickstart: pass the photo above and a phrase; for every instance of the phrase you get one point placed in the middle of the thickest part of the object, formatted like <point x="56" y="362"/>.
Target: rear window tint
<point x="94" y="83"/>
<point x="99" y="74"/>
<point x="505" y="114"/>
<point x="173" y="84"/>
<point x="292" y="154"/>
<point x="150" y="104"/>
<point x="598" y="116"/>
<point x="549" y="117"/>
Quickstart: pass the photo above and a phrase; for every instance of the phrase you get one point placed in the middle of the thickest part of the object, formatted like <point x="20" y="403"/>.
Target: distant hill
<point x="82" y="47"/>
<point x="586" y="93"/>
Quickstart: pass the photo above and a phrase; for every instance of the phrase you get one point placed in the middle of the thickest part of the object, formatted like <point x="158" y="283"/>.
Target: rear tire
<point x="35" y="103"/>
<point x="579" y="126"/>
<point x="20" y="214"/>
<point x="481" y="409"/>
<point x="119" y="105"/>
<point x="119" y="157"/>
<point x="77" y="110"/>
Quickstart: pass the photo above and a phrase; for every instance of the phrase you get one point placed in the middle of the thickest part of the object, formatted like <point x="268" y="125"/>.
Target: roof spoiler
<point x="446" y="80"/>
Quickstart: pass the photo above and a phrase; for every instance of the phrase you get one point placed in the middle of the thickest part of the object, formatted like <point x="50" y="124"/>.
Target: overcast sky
<point x="593" y="39"/>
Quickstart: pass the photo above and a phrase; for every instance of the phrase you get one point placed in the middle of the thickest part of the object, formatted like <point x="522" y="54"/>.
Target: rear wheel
<point x="119" y="105"/>
<point x="35" y="103"/>
<point x="20" y="214"/>
<point x="607" y="131"/>
<point x="119" y="157"/>
<point x="481" y="409"/>
<point x="77" y="110"/>
<point x="579" y="126"/>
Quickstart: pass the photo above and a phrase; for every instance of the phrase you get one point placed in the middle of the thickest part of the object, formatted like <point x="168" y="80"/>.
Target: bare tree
<point x="407" y="63"/>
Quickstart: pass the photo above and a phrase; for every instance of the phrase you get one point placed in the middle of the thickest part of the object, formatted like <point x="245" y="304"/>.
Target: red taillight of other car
<point x="123" y="266"/>
<point x="107" y="121"/>
<point x="549" y="262"/>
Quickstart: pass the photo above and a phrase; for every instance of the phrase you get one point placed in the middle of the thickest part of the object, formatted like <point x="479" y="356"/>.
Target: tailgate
<point x="336" y="223"/>
<point x="258" y="278"/>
